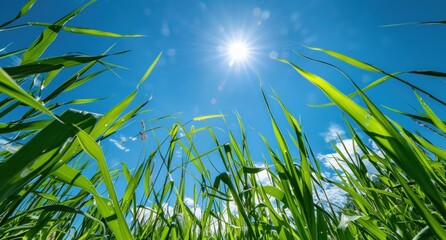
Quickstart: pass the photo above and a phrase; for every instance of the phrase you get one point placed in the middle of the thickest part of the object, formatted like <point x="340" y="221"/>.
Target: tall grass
<point x="45" y="192"/>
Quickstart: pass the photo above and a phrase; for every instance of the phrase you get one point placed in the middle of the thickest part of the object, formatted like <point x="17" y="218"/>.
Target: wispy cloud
<point x="332" y="134"/>
<point x="120" y="143"/>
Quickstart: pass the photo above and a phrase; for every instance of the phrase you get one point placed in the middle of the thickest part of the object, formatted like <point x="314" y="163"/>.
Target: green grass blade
<point x="25" y="8"/>
<point x="92" y="148"/>
<point x="73" y="177"/>
<point x="20" y="127"/>
<point x="201" y="118"/>
<point x="49" y="64"/>
<point x="435" y="119"/>
<point x="349" y="60"/>
<point x="10" y="87"/>
<point x="40" y="153"/>
<point x="39" y="46"/>
<point x="351" y="95"/>
<point x="86" y="31"/>
<point x="5" y="55"/>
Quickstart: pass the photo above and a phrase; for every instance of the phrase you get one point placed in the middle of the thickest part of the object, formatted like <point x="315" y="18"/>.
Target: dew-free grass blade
<point x="415" y="23"/>
<point x="20" y="127"/>
<point x="124" y="119"/>
<point x="201" y="118"/>
<point x="25" y="8"/>
<point x="371" y="68"/>
<point x="429" y="146"/>
<point x="113" y="114"/>
<point x="5" y="55"/>
<point x="429" y="73"/>
<point x="86" y="31"/>
<point x="371" y="85"/>
<point x="39" y="46"/>
<point x="430" y="113"/>
<point x="74" y="81"/>
<point x="11" y="88"/>
<point x="382" y="131"/>
<point x="41" y="152"/>
<point x="92" y="148"/>
<point x="83" y="80"/>
<point x="73" y="177"/>
<point x="50" y="64"/>
<point x="349" y="60"/>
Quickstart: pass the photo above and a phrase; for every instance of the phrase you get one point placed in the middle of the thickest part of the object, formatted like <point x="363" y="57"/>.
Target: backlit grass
<point x="56" y="183"/>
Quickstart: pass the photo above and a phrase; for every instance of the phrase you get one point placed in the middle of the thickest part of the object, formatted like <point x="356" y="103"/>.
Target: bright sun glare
<point x="238" y="52"/>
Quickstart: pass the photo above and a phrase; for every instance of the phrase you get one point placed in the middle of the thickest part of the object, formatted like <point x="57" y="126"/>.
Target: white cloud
<point x="144" y="214"/>
<point x="348" y="148"/>
<point x="233" y="207"/>
<point x="181" y="132"/>
<point x="189" y="202"/>
<point x="263" y="177"/>
<point x="168" y="210"/>
<point x="332" y="134"/>
<point x="119" y="144"/>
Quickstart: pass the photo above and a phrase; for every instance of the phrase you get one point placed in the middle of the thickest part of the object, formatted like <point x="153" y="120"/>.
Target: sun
<point x="238" y="52"/>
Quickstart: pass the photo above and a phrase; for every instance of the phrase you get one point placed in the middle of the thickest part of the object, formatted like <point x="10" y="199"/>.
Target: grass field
<point x="45" y="192"/>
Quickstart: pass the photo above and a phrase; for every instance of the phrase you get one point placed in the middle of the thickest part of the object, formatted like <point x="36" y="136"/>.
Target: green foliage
<point x="45" y="192"/>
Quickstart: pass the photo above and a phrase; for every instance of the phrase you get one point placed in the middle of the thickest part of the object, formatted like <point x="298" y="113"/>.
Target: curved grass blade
<point x="25" y="8"/>
<point x="74" y="81"/>
<point x="201" y="118"/>
<point x="73" y="177"/>
<point x="351" y="95"/>
<point x="421" y="117"/>
<point x="123" y="120"/>
<point x="10" y="87"/>
<point x="441" y="153"/>
<point x="86" y="31"/>
<point x="435" y="119"/>
<point x="92" y="148"/>
<point x="113" y="114"/>
<point x="371" y="68"/>
<point x="429" y="73"/>
<point x="5" y="55"/>
<point x="382" y="132"/>
<point x="20" y="127"/>
<point x="50" y="64"/>
<point x="42" y="152"/>
<point x="415" y="23"/>
<point x="39" y="46"/>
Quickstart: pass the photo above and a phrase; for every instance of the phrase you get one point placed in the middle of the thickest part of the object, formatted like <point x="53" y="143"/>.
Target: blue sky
<point x="195" y="76"/>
